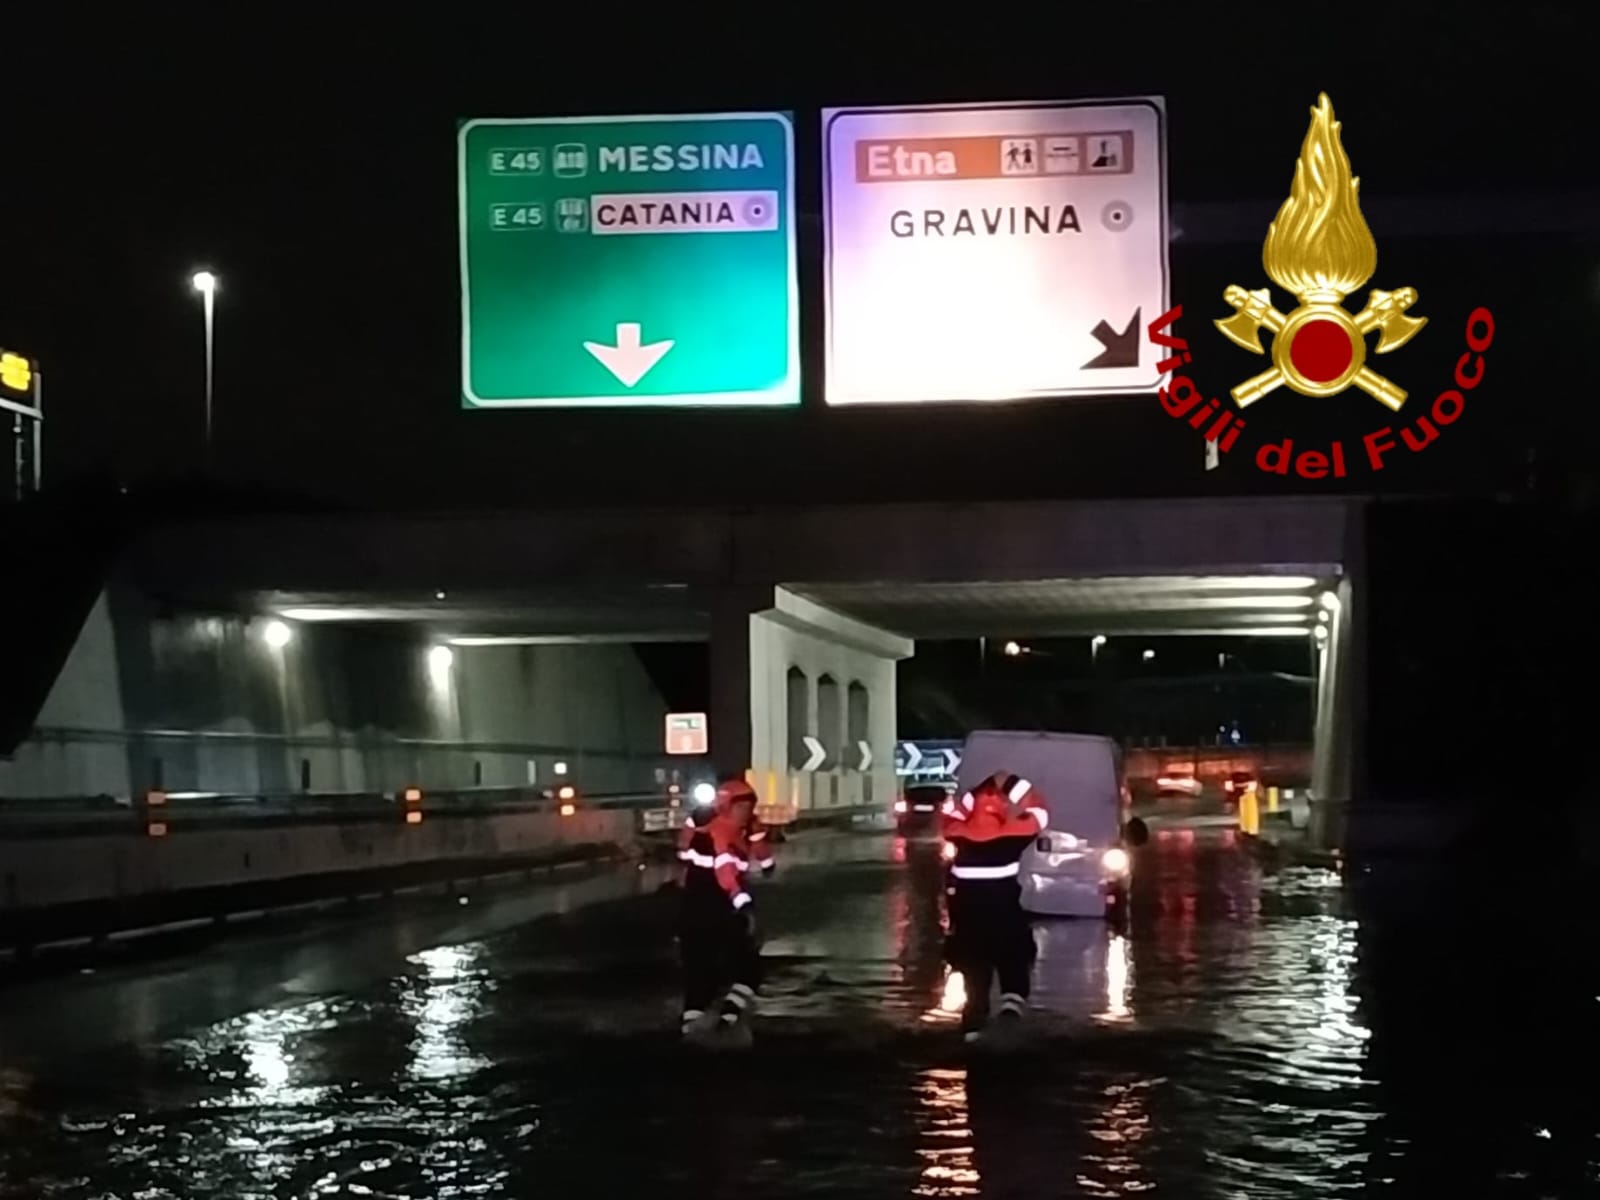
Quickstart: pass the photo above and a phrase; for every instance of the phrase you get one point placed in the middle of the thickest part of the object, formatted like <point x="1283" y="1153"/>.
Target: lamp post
<point x="205" y="283"/>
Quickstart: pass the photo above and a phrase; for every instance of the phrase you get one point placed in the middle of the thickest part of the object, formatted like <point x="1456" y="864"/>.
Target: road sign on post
<point x="993" y="252"/>
<point x="687" y="733"/>
<point x="640" y="261"/>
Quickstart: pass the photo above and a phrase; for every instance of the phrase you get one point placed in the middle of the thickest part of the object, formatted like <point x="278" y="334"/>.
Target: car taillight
<point x="900" y="806"/>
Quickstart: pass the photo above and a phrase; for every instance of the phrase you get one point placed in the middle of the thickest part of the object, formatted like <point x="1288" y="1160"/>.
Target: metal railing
<point x="158" y="813"/>
<point x="60" y="760"/>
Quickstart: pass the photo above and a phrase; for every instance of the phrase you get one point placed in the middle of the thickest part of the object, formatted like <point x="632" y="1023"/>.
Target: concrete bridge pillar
<point x="1338" y="767"/>
<point x="789" y="676"/>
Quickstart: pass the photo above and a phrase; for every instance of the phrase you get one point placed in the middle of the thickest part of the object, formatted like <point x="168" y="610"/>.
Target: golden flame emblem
<point x="1319" y="249"/>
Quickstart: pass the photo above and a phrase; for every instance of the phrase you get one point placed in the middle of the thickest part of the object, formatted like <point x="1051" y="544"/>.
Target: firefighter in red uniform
<point x="990" y="827"/>
<point x="758" y="840"/>
<point x="721" y="962"/>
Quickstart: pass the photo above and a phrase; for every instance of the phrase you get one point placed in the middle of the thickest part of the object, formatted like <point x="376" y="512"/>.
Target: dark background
<point x="307" y="155"/>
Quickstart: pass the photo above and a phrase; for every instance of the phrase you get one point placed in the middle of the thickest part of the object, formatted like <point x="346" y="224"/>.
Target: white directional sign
<point x="952" y="760"/>
<point x="913" y="757"/>
<point x="993" y="252"/>
<point x="866" y="755"/>
<point x="815" y="750"/>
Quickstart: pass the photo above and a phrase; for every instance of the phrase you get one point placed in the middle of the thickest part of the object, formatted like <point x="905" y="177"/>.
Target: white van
<point x="1079" y="867"/>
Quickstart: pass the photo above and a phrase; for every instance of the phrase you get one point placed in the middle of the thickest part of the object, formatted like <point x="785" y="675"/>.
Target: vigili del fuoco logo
<point x="1319" y="250"/>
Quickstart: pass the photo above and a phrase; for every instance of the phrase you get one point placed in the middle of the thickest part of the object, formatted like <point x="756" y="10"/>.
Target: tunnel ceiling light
<point x="277" y="634"/>
<point x="439" y="595"/>
<point x="1322" y="633"/>
<point x="1270" y="631"/>
<point x="441" y="658"/>
<point x="1262" y="602"/>
<point x="1098" y="640"/>
<point x="1149" y="656"/>
<point x="1012" y="649"/>
<point x="336" y="613"/>
<point x="1251" y="583"/>
<point x="1330" y="601"/>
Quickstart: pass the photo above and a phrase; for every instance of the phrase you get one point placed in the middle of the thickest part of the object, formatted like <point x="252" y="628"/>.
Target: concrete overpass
<point x="807" y="610"/>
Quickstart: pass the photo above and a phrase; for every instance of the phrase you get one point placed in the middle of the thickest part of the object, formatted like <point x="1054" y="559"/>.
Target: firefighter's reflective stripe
<point x="758" y="835"/>
<point x="1004" y="871"/>
<point x="711" y="862"/>
<point x="1019" y="789"/>
<point x="740" y="900"/>
<point x="1039" y="815"/>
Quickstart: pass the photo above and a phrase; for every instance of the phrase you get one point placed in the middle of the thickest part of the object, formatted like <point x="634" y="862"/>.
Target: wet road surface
<point x="1254" y="1033"/>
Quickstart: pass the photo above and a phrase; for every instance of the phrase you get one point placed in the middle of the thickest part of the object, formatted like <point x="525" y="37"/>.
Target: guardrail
<point x="158" y="814"/>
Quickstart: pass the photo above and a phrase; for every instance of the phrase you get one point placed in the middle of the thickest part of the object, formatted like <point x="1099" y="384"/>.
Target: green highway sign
<point x="639" y="261"/>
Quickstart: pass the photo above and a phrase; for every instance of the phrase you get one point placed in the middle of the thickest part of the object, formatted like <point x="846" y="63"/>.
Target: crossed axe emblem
<point x="1385" y="312"/>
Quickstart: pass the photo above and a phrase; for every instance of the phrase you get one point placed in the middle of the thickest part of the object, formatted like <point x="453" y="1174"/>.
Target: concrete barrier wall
<point x="48" y="872"/>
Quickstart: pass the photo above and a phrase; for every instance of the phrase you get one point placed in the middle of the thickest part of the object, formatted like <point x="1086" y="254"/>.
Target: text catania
<point x="665" y="214"/>
<point x="644" y="160"/>
<point x="959" y="222"/>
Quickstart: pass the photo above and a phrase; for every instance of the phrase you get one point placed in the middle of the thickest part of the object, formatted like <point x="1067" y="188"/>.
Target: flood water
<point x="1255" y="1033"/>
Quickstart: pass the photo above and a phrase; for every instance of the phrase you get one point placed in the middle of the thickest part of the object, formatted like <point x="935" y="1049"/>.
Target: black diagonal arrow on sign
<point x="1121" y="349"/>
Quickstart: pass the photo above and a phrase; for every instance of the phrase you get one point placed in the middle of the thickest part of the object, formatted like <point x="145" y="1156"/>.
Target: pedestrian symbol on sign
<point x="1018" y="156"/>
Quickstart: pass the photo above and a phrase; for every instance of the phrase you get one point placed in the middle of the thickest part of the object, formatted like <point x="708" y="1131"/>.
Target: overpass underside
<point x="807" y="611"/>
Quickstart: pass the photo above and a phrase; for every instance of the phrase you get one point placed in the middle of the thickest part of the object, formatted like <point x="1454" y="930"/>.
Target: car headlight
<point x="1115" y="860"/>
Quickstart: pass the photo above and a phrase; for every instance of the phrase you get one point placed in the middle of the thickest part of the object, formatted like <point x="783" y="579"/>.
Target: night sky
<point x="308" y="158"/>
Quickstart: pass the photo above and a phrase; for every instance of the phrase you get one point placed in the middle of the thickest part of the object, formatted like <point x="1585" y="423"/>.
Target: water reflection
<point x="265" y="1043"/>
<point x="1119" y="980"/>
<point x="1120" y="1129"/>
<point x="952" y="1000"/>
<point x="948" y="1165"/>
<point x="441" y="1003"/>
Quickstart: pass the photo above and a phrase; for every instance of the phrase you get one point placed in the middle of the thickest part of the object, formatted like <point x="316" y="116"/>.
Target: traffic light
<point x="16" y="372"/>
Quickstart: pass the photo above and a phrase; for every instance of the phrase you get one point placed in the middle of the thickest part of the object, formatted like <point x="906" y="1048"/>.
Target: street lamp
<point x="205" y="283"/>
<point x="1095" y="643"/>
<point x="1012" y="649"/>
